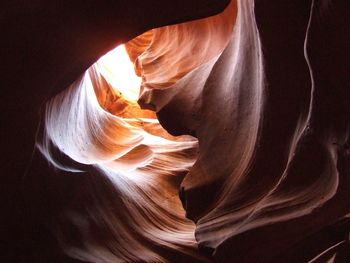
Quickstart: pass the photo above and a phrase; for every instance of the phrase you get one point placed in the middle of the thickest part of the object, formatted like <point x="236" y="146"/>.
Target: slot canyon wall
<point x="253" y="164"/>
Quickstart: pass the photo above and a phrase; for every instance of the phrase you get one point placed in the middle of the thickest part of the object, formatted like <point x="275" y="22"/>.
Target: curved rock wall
<point x="263" y="86"/>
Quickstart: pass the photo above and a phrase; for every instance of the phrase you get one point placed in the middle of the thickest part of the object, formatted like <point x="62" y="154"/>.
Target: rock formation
<point x="237" y="150"/>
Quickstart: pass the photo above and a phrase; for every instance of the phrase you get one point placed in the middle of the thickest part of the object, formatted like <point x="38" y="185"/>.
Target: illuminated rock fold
<point x="268" y="163"/>
<point x="264" y="172"/>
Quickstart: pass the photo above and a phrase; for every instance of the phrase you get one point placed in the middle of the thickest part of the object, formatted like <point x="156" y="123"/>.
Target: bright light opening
<point x="118" y="70"/>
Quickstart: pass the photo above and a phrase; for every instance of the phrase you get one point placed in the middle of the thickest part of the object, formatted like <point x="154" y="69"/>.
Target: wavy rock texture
<point x="138" y="157"/>
<point x="266" y="180"/>
<point x="45" y="47"/>
<point x="251" y="181"/>
<point x="94" y="125"/>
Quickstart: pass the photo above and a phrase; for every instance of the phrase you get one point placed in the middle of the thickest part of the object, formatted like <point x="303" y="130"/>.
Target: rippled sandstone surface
<point x="263" y="86"/>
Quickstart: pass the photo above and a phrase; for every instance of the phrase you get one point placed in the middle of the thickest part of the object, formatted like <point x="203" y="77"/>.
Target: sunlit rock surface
<point x="263" y="90"/>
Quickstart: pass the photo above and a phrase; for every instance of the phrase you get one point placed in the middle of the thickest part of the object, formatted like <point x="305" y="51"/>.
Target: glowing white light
<point x="118" y="70"/>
